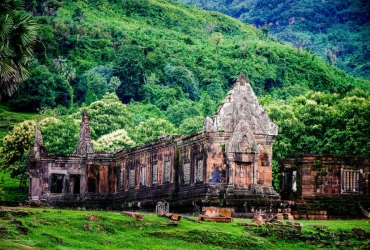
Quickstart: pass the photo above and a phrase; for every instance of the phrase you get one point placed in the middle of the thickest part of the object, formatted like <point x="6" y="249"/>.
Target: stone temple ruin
<point x="228" y="163"/>
<point x="337" y="186"/>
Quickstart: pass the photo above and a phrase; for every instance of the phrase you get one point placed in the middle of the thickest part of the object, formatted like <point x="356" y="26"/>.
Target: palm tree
<point x="18" y="32"/>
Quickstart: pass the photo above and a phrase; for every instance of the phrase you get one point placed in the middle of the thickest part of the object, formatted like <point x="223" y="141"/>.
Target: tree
<point x="17" y="36"/>
<point x="97" y="87"/>
<point x="14" y="153"/>
<point x="177" y="113"/>
<point x="113" y="141"/>
<point x="331" y="56"/>
<point x="67" y="71"/>
<point x="129" y="68"/>
<point x="42" y="90"/>
<point x="151" y="129"/>
<point x="108" y="115"/>
<point x="191" y="125"/>
<point x="208" y="105"/>
<point x="266" y="29"/>
<point x="114" y="84"/>
<point x="141" y="112"/>
<point x="60" y="136"/>
<point x="216" y="39"/>
<point x="184" y="78"/>
<point x="93" y="84"/>
<point x="163" y="96"/>
<point x="210" y="27"/>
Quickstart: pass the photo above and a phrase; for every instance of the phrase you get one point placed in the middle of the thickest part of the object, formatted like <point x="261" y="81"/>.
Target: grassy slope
<point x="112" y="230"/>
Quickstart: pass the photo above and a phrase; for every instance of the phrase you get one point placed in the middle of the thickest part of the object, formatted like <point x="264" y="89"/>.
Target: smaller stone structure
<point x="324" y="175"/>
<point x="330" y="186"/>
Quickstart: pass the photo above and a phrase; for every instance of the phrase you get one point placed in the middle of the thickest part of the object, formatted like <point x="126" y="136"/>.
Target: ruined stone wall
<point x="149" y="165"/>
<point x="325" y="175"/>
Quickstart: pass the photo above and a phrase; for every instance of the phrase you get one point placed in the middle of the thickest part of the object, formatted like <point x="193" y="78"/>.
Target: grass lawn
<point x="65" y="229"/>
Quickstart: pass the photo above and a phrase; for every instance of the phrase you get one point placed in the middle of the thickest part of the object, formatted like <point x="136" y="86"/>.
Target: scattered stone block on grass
<point x="359" y="232"/>
<point x="17" y="222"/>
<point x="134" y="215"/>
<point x="174" y="217"/>
<point x="279" y="217"/>
<point x="258" y="219"/>
<point x="216" y="211"/>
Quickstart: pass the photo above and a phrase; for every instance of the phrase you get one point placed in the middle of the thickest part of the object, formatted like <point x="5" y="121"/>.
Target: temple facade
<point x="228" y="163"/>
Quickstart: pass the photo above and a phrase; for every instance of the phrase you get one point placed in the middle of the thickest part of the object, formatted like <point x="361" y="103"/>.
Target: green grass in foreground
<point x="64" y="229"/>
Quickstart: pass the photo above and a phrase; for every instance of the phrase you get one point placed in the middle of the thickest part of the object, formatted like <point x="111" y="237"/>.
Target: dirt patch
<point x="91" y="217"/>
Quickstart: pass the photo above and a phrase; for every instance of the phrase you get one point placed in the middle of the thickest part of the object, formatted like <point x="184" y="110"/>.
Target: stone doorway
<point x="74" y="183"/>
<point x="57" y="183"/>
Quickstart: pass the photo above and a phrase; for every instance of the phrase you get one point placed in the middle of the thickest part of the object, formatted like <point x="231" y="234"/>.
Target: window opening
<point x="350" y="181"/>
<point x="154" y="174"/>
<point x="91" y="185"/>
<point x="143" y="176"/>
<point x="167" y="171"/>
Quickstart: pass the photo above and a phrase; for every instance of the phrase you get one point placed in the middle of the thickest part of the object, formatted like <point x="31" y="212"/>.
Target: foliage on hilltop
<point x="160" y="52"/>
<point x="337" y="31"/>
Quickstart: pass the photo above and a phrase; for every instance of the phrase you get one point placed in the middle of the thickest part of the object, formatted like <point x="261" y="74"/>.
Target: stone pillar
<point x="255" y="170"/>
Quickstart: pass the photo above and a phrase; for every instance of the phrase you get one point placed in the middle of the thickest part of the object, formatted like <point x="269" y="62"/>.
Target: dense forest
<point x="143" y="68"/>
<point x="337" y="31"/>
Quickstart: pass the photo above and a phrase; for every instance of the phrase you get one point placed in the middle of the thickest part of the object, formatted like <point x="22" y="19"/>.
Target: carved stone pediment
<point x="241" y="104"/>
<point x="242" y="140"/>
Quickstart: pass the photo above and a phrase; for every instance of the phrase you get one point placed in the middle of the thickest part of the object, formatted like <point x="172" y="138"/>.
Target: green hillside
<point x="337" y="31"/>
<point x="160" y="51"/>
